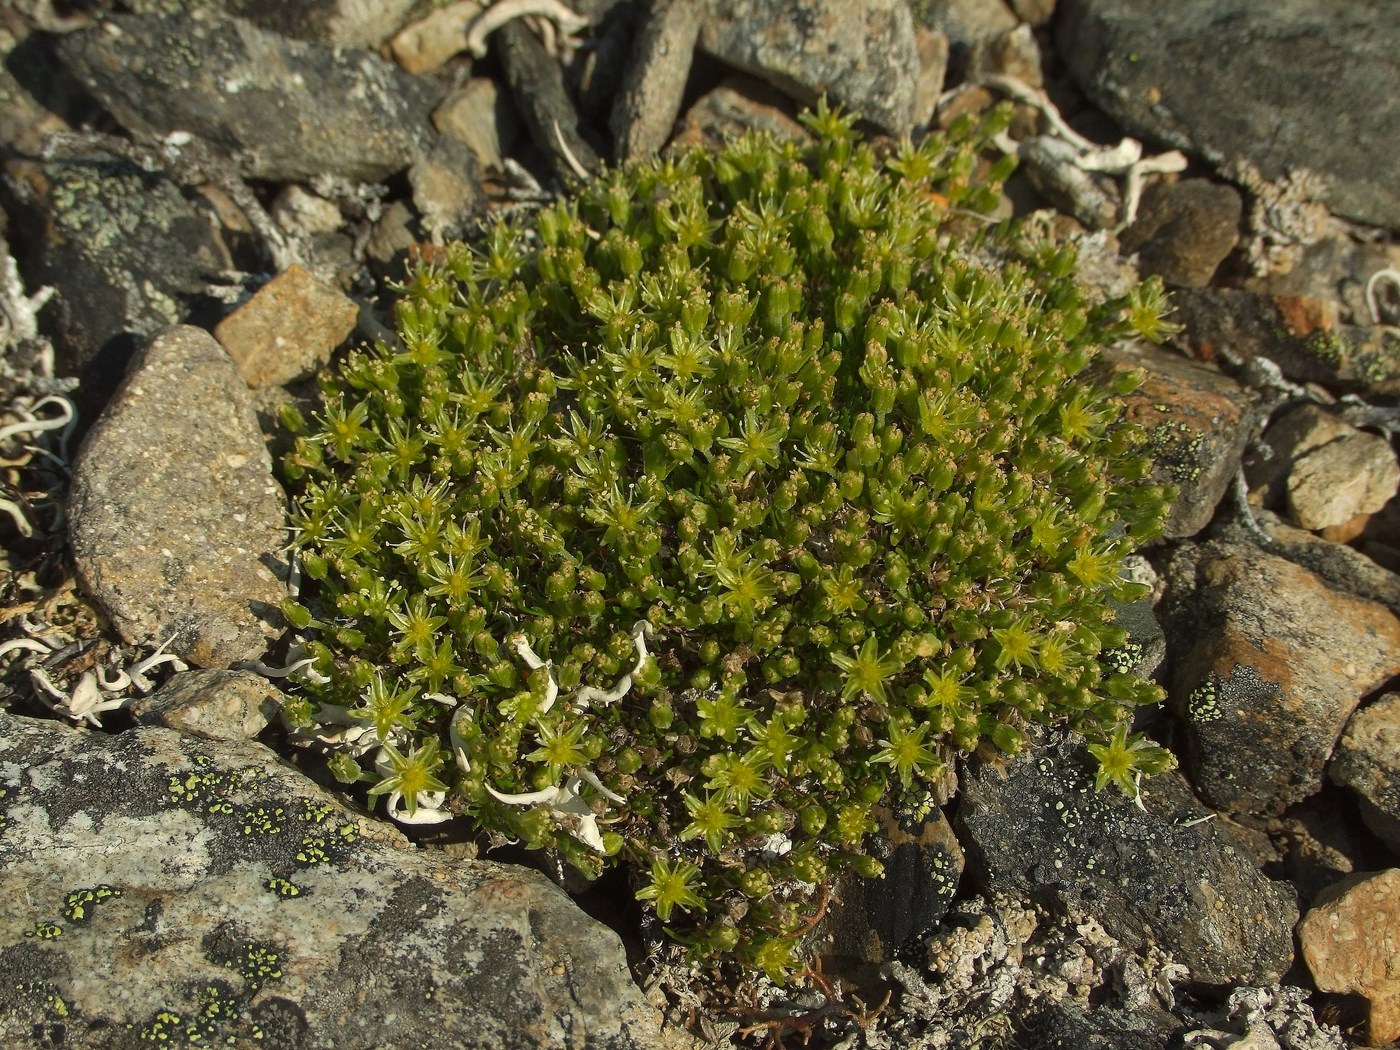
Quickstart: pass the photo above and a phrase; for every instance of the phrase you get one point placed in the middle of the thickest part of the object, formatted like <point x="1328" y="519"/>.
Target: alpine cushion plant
<point x="699" y="514"/>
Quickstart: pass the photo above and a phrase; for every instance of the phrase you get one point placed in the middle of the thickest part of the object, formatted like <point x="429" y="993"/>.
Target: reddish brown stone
<point x="1351" y="940"/>
<point x="288" y="329"/>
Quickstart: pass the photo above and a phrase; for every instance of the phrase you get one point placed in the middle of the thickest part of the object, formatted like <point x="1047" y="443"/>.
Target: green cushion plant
<point x="697" y="515"/>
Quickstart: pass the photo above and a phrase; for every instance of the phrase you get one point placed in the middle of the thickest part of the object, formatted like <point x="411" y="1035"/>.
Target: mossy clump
<point x="701" y="513"/>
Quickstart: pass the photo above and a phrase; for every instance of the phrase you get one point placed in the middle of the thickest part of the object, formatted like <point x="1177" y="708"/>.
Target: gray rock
<point x="1269" y="663"/>
<point x="1367" y="760"/>
<point x="283" y="109"/>
<point x="741" y="103"/>
<point x="163" y="890"/>
<point x="1184" y="230"/>
<point x="537" y="88"/>
<point x="1278" y="86"/>
<point x="447" y="190"/>
<point x="964" y="22"/>
<point x="650" y="100"/>
<point x="1068" y="1026"/>
<point x="480" y="114"/>
<point x="1038" y="827"/>
<point x="174" y="517"/>
<point x="211" y="704"/>
<point x="872" y="920"/>
<point x="341" y="23"/>
<point x="127" y="251"/>
<point x="860" y="53"/>
<point x="1197" y="421"/>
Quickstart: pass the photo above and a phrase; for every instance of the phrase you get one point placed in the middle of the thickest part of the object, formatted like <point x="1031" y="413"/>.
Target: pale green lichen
<point x="701" y="514"/>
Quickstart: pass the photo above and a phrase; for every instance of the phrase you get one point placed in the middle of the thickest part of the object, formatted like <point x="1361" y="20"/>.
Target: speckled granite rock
<point x="288" y="329"/>
<point x="1351" y="941"/>
<point x="283" y="109"/>
<point x="212" y="704"/>
<point x="861" y="53"/>
<point x="344" y="23"/>
<point x="174" y="517"/>
<point x="1269" y="664"/>
<point x="164" y="890"/>
<point x="1038" y="827"/>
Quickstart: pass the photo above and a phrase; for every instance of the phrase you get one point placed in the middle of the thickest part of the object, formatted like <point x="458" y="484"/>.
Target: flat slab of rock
<point x="1351" y="941"/>
<point x="1038" y="827"/>
<point x="1276" y="86"/>
<point x="163" y="890"/>
<point x="861" y="53"/>
<point x="1270" y="663"/>
<point x="175" y="519"/>
<point x="284" y="109"/>
<point x="288" y="329"/>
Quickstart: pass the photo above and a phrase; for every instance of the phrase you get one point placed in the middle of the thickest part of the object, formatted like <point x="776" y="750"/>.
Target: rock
<point x="739" y="104"/>
<point x="1198" y="422"/>
<point x="164" y="890"/>
<point x="1327" y="470"/>
<point x="872" y="920"/>
<point x="1066" y="1025"/>
<point x="646" y="109"/>
<point x="284" y="109"/>
<point x="1351" y="941"/>
<point x="1013" y="53"/>
<point x="1319" y="849"/>
<point x="1300" y="334"/>
<point x="1367" y="760"/>
<point x="1269" y="664"/>
<point x="1184" y="230"/>
<point x="288" y="329"/>
<point x="537" y="89"/>
<point x="1035" y="12"/>
<point x="174" y="518"/>
<point x="964" y="23"/>
<point x="211" y="704"/>
<point x="128" y="252"/>
<point x="1146" y="646"/>
<point x="447" y="189"/>
<point x="862" y="55"/>
<point x="480" y="115"/>
<point x="340" y="23"/>
<point x="1221" y="78"/>
<point x="933" y="71"/>
<point x="1339" y="566"/>
<point x="298" y="210"/>
<point x="1038" y="827"/>
<point x="424" y="45"/>
<point x="392" y="236"/>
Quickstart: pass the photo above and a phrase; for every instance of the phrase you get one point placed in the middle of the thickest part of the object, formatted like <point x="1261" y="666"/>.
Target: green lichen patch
<point x="692" y="518"/>
<point x="78" y="906"/>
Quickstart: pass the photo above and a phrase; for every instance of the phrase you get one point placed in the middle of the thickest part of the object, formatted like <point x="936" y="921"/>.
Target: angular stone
<point x="1367" y="760"/>
<point x="1197" y="421"/>
<point x="447" y="190"/>
<point x="1351" y="941"/>
<point x="284" y="109"/>
<point x="1184" y="230"/>
<point x="860" y="53"/>
<point x="175" y="520"/>
<point x="1269" y="664"/>
<point x="1341" y="567"/>
<point x="1353" y="475"/>
<point x="741" y="103"/>
<point x="1221" y="78"/>
<point x="1149" y="876"/>
<point x="340" y="23"/>
<point x="157" y="885"/>
<point x="288" y="329"/>
<point x="211" y="704"/>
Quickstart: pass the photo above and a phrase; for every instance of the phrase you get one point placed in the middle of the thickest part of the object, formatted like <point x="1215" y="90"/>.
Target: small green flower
<point x="672" y="886"/>
<point x="710" y="820"/>
<point x="411" y="775"/>
<point x="907" y="752"/>
<point x="1124" y="758"/>
<point x="867" y="671"/>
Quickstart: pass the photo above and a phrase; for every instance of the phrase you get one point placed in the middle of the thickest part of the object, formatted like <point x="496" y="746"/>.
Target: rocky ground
<point x="210" y="198"/>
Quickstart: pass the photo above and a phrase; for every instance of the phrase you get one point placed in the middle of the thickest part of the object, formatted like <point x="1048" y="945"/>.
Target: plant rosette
<point x="696" y="515"/>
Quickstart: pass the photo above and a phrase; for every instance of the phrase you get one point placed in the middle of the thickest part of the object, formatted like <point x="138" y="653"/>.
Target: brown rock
<point x="739" y="104"/>
<point x="646" y="109"/>
<point x="1197" y="421"/>
<point x="288" y="329"/>
<point x="1270" y="664"/>
<point x="1368" y="761"/>
<point x="1351" y="941"/>
<point x="211" y="704"/>
<point x="175" y="520"/>
<point x="428" y="43"/>
<point x="480" y="114"/>
<point x="1184" y="230"/>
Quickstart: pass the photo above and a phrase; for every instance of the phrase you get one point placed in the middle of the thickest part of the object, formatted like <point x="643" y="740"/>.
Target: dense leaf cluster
<point x="705" y="511"/>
